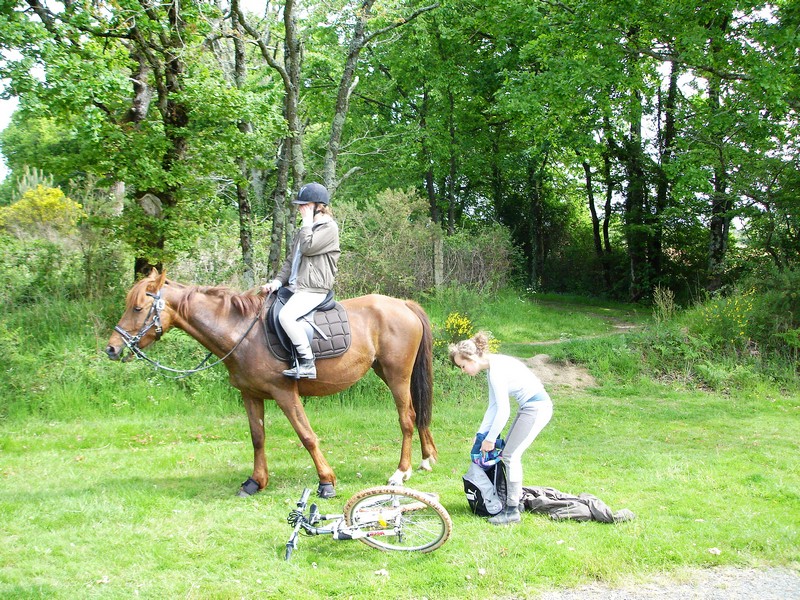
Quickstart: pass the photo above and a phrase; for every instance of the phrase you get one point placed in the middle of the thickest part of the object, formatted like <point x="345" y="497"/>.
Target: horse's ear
<point x="155" y="280"/>
<point x="160" y="279"/>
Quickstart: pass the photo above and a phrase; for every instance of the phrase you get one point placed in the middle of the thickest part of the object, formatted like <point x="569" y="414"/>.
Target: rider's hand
<point x="307" y="214"/>
<point x="271" y="287"/>
<point x="487" y="446"/>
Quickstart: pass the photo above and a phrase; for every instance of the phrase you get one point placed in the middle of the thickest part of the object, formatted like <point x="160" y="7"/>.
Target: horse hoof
<point x="399" y="477"/>
<point x="248" y="488"/>
<point x="326" y="490"/>
<point x="426" y="464"/>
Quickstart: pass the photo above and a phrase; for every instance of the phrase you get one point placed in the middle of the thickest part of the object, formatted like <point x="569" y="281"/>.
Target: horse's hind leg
<point x="293" y="409"/>
<point x="406" y="416"/>
<point x="429" y="451"/>
<point x="400" y="389"/>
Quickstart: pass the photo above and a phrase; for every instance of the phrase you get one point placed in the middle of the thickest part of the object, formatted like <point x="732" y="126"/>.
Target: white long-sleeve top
<point x="507" y="376"/>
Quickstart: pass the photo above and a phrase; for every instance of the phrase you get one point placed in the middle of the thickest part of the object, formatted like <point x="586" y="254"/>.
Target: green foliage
<point x="471" y="304"/>
<point x="775" y="313"/>
<point x="728" y="342"/>
<point x="215" y="258"/>
<point x="35" y="270"/>
<point x="50" y="255"/>
<point x="482" y="258"/>
<point x="30" y="179"/>
<point x="388" y="246"/>
<point x="664" y="304"/>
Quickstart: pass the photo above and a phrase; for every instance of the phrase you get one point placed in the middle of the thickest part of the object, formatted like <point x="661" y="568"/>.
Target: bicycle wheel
<point x="420" y="523"/>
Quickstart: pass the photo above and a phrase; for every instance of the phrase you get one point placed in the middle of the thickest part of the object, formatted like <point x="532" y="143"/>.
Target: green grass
<point x="116" y="507"/>
<point x="523" y="322"/>
<point x="117" y="483"/>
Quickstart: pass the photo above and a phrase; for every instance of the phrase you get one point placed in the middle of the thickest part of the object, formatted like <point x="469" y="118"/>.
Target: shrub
<point x="41" y="212"/>
<point x="31" y="270"/>
<point x="774" y="319"/>
<point x="388" y="247"/>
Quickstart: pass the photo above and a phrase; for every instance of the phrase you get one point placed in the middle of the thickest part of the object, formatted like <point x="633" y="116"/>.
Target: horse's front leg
<point x="255" y="415"/>
<point x="293" y="409"/>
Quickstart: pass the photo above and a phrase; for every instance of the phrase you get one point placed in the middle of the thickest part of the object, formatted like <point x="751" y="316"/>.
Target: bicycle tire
<point x="426" y="524"/>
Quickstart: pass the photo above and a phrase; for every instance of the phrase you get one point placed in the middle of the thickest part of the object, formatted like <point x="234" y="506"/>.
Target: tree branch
<point x="671" y="57"/>
<point x="400" y="22"/>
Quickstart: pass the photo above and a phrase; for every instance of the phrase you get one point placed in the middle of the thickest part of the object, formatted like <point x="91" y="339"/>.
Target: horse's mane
<point x="245" y="304"/>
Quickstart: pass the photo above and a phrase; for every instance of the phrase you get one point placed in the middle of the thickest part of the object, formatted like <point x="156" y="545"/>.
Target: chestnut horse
<point x="391" y="336"/>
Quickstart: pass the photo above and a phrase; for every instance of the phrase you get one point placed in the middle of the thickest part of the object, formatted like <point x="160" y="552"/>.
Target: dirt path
<point x="721" y="583"/>
<point x="555" y="375"/>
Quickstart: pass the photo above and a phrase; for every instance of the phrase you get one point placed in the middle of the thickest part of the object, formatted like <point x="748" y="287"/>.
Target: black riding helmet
<point x="312" y="192"/>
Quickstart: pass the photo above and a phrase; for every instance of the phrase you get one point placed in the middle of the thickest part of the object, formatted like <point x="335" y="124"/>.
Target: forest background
<point x="622" y="150"/>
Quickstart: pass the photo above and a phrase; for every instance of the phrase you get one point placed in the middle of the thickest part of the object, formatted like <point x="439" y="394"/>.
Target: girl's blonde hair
<point x="474" y="347"/>
<point x="324" y="209"/>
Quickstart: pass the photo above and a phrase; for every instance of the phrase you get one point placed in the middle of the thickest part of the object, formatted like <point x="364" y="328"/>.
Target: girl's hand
<point x="487" y="446"/>
<point x="307" y="212"/>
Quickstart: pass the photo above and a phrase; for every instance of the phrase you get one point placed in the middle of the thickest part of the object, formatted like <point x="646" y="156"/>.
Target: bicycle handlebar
<point x="296" y="518"/>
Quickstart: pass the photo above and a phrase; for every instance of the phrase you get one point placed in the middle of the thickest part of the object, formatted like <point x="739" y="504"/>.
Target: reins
<point x="154" y="318"/>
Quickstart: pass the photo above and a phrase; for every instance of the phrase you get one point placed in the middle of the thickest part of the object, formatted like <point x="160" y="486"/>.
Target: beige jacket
<point x="319" y="257"/>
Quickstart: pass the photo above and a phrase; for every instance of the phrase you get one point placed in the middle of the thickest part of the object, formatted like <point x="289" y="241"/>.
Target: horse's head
<point x="144" y="319"/>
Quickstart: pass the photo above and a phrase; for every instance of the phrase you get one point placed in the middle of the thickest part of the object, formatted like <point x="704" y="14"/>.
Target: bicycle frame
<point x="338" y="530"/>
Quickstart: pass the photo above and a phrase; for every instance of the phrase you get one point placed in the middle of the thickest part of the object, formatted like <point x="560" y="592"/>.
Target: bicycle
<point x="385" y="517"/>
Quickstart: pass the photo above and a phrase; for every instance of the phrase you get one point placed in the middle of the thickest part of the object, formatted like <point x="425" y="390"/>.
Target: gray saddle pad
<point x="333" y="323"/>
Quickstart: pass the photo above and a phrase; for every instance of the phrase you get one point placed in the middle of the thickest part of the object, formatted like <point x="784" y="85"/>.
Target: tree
<point x="144" y="107"/>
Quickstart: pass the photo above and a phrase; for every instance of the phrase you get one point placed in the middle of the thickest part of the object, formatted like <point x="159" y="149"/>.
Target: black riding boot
<point x="304" y="368"/>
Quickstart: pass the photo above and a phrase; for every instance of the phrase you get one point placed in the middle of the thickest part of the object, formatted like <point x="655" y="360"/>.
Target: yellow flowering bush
<point x="457" y="327"/>
<point x="726" y="320"/>
<point x="40" y="209"/>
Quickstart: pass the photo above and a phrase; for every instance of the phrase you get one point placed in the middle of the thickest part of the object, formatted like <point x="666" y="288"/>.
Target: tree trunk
<point x="662" y="201"/>
<point x="427" y="161"/>
<point x="636" y="233"/>
<point x="242" y="197"/>
<point x="721" y="203"/>
<point x="596" y="227"/>
<point x="279" y="208"/>
<point x="290" y="157"/>
<point x="359" y="40"/>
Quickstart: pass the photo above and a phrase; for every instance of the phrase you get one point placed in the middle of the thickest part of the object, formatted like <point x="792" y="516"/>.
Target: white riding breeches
<point x="300" y="304"/>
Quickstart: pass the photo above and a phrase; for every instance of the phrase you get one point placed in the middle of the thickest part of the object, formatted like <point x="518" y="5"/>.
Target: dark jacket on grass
<point x="559" y="505"/>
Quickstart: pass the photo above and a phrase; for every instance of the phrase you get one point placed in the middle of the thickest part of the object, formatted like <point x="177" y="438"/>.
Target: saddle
<point x="327" y="328"/>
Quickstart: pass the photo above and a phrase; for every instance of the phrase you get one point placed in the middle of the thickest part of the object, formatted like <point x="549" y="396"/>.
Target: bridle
<point x="153" y="320"/>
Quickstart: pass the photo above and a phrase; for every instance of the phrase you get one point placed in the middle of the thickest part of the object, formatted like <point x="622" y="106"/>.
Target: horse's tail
<point x="422" y="375"/>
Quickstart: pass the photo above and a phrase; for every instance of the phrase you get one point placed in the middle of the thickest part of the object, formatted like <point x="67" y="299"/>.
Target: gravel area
<point x="723" y="583"/>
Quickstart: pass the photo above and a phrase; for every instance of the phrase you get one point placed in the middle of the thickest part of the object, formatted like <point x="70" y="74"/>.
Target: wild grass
<point x="118" y="483"/>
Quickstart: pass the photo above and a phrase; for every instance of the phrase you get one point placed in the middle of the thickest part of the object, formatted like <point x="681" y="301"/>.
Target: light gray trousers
<point x="529" y="422"/>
